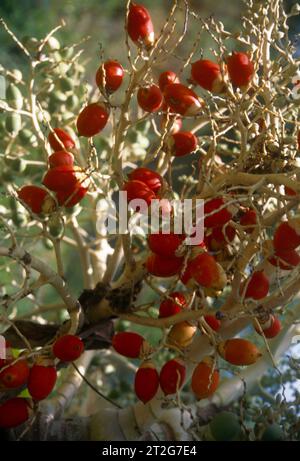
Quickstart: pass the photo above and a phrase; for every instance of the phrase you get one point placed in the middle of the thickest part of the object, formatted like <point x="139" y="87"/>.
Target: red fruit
<point x="166" y="78"/>
<point x="258" y="286"/>
<point x="239" y="351"/>
<point x="218" y="218"/>
<point x="139" y="25"/>
<point x="60" y="158"/>
<point x="213" y="322"/>
<point x="152" y="179"/>
<point x="15" y="375"/>
<point x="92" y="119"/>
<point x="182" y="100"/>
<point x="146" y="382"/>
<point x="110" y="76"/>
<point x="287" y="235"/>
<point x="286" y="260"/>
<point x="41" y="381"/>
<point x="240" y="69"/>
<point x="138" y="190"/>
<point x="66" y="140"/>
<point x="68" y="348"/>
<point x="37" y="199"/>
<point x="173" y="306"/>
<point x="165" y="244"/>
<point x="220" y="236"/>
<point x="182" y="143"/>
<point x="161" y="266"/>
<point x="270" y="328"/>
<point x="249" y="220"/>
<point x="203" y="269"/>
<point x="289" y="191"/>
<point x="208" y="75"/>
<point x="130" y="344"/>
<point x="172" y="376"/>
<point x="64" y="178"/>
<point x="71" y="197"/>
<point x="205" y="379"/>
<point x="14" y="412"/>
<point x="150" y="98"/>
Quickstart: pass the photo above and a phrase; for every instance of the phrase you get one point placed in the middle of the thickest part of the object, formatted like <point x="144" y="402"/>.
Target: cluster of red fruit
<point x="69" y="183"/>
<point x="39" y="378"/>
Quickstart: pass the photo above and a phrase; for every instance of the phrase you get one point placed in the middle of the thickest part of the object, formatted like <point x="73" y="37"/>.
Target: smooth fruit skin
<point x="172" y="376"/>
<point x="182" y="143"/>
<point x="239" y="351"/>
<point x="205" y="380"/>
<point x="41" y="381"/>
<point x="286" y="260"/>
<point x="138" y="190"/>
<point x="62" y="177"/>
<point x="240" y="69"/>
<point x="181" y="334"/>
<point x="270" y="328"/>
<point x="213" y="322"/>
<point x="249" y="220"/>
<point x="218" y="218"/>
<point x="165" y="244"/>
<point x="129" y="344"/>
<point x="110" y="76"/>
<point x="14" y="412"/>
<point x="70" y="198"/>
<point x="68" y="348"/>
<point x="66" y="141"/>
<point x="150" y="98"/>
<point x="208" y="75"/>
<point x="166" y="78"/>
<point x="92" y="119"/>
<point x="220" y="236"/>
<point x="258" y="287"/>
<point x="161" y="266"/>
<point x="16" y="375"/>
<point x="203" y="269"/>
<point x="146" y="382"/>
<point x="225" y="426"/>
<point x="37" y="199"/>
<point x="139" y="25"/>
<point x="182" y="100"/>
<point x="273" y="433"/>
<point x="60" y="158"/>
<point x="173" y="306"/>
<point x="286" y="236"/>
<point x="289" y="191"/>
<point x="151" y="178"/>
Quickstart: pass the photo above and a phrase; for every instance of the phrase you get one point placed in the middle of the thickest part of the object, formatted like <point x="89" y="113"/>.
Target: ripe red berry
<point x="181" y="335"/>
<point x="37" y="199"/>
<point x="130" y="344"/>
<point x="110" y="76"/>
<point x="258" y="286"/>
<point x="14" y="412"/>
<point x="160" y="266"/>
<point x="15" y="375"/>
<point x="166" y="78"/>
<point x="249" y="220"/>
<point x="92" y="119"/>
<point x="139" y="25"/>
<point x="172" y="376"/>
<point x="219" y="237"/>
<point x="182" y="100"/>
<point x="64" y="178"/>
<point x="240" y="69"/>
<point x="286" y="260"/>
<point x="68" y="348"/>
<point x="66" y="141"/>
<point x="165" y="244"/>
<point x="152" y="179"/>
<point x="205" y="379"/>
<point x="172" y="306"/>
<point x="239" y="351"/>
<point x="150" y="98"/>
<point x="217" y="218"/>
<point x="270" y="328"/>
<point x="287" y="235"/>
<point x="203" y="269"/>
<point x="41" y="381"/>
<point x="182" y="143"/>
<point x="289" y="191"/>
<point x="213" y="322"/>
<point x="138" y="190"/>
<point x="146" y="382"/>
<point x="70" y="198"/>
<point x="208" y="75"/>
<point x="60" y="158"/>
